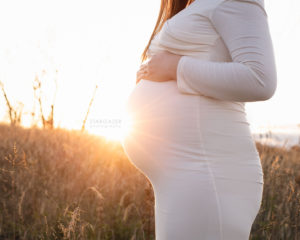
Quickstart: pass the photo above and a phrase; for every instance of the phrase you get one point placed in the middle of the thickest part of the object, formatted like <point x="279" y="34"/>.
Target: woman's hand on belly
<point x="161" y="67"/>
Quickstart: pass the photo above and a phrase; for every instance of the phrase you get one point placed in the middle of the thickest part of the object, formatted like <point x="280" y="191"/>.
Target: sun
<point x="127" y="125"/>
<point x="120" y="131"/>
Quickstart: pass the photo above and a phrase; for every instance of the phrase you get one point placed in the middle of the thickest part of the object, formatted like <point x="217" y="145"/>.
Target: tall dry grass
<point x="59" y="184"/>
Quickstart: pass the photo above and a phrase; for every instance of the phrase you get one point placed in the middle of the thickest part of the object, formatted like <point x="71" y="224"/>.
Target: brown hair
<point x="168" y="8"/>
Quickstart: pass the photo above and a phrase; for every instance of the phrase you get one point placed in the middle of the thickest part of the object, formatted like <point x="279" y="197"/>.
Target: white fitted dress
<point x="190" y="137"/>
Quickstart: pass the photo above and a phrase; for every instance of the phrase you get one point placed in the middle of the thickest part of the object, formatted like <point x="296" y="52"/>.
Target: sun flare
<point x="124" y="131"/>
<point x="127" y="125"/>
<point x="117" y="131"/>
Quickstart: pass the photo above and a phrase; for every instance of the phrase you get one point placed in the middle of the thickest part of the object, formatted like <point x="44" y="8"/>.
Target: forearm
<point x="230" y="81"/>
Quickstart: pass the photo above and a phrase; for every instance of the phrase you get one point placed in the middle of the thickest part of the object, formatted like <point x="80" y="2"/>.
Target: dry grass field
<point x="61" y="184"/>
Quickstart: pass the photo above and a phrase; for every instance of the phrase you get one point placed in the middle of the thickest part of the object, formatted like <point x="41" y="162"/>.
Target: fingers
<point x="142" y="72"/>
<point x="144" y="67"/>
<point x="138" y="78"/>
<point x="140" y="75"/>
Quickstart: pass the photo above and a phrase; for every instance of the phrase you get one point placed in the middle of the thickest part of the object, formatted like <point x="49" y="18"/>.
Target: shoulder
<point x="258" y="2"/>
<point x="232" y="6"/>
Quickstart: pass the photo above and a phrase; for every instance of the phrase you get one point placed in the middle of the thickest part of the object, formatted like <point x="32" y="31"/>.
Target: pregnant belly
<point x="158" y="111"/>
<point x="161" y="119"/>
<point x="184" y="131"/>
<point x="154" y="106"/>
<point x="161" y="113"/>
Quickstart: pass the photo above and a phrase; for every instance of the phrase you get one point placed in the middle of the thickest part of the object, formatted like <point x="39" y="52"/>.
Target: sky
<point x="282" y="108"/>
<point x="73" y="46"/>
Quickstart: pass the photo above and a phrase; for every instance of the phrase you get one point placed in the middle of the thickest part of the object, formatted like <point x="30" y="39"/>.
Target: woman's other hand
<point x="160" y="67"/>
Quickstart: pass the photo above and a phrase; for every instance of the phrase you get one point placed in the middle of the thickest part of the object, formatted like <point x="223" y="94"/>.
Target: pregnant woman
<point x="190" y="134"/>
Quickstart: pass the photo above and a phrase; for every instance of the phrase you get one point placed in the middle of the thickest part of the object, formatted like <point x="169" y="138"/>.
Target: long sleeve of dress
<point x="251" y="76"/>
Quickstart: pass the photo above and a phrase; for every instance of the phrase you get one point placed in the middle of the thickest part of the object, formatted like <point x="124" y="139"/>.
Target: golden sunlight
<point x="115" y="129"/>
<point x="127" y="125"/>
<point x="70" y="56"/>
<point x="124" y="130"/>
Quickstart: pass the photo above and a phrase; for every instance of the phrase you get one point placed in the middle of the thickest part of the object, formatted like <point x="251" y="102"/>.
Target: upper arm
<point x="243" y="26"/>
